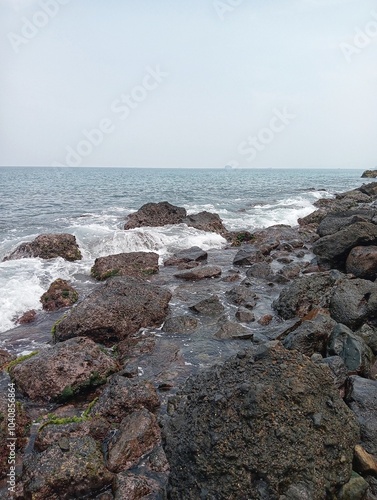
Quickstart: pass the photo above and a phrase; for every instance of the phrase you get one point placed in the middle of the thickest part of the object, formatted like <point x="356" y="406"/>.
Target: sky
<point x="194" y="84"/>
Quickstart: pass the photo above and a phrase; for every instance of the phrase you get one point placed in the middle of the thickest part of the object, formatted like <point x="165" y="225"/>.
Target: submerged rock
<point x="63" y="371"/>
<point x="155" y="215"/>
<point x="134" y="264"/>
<point x="236" y="430"/>
<point x="209" y="307"/>
<point x="243" y="295"/>
<point x="48" y="246"/>
<point x="199" y="273"/>
<point x="60" y="294"/>
<point x="115" y="310"/>
<point x="193" y="254"/>
<point x="180" y="324"/>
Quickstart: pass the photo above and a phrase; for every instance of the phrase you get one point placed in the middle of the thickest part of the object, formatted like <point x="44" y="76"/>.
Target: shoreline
<point x="257" y="284"/>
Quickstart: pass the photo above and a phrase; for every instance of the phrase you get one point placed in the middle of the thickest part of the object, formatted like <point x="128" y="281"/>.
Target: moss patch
<point x="55" y="420"/>
<point x="19" y="360"/>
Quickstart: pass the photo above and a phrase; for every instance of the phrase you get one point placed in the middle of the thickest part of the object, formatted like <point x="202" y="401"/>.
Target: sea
<point x="93" y="204"/>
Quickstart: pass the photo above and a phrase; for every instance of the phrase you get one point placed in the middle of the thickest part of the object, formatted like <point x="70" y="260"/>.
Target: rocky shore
<point x="247" y="372"/>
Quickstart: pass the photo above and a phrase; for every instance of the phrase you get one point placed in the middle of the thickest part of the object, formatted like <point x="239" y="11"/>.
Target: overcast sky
<point x="189" y="83"/>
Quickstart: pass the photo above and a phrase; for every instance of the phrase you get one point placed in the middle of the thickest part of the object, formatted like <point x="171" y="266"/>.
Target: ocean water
<point x="93" y="203"/>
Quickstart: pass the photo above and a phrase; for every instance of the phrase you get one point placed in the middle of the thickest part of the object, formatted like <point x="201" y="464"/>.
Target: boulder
<point x="280" y="236"/>
<point x="48" y="246"/>
<point x="206" y="221"/>
<point x="356" y="355"/>
<point x="115" y="310"/>
<point x="209" y="307"/>
<point x="305" y="294"/>
<point x="365" y="463"/>
<point x="76" y="472"/>
<point x="59" y="373"/>
<point x="180" y="324"/>
<point x="336" y="247"/>
<point x="259" y="426"/>
<point x="135" y="264"/>
<point x="123" y="396"/>
<point x="369" y="174"/>
<point x="338" y="221"/>
<point x="369" y="189"/>
<point x="193" y="254"/>
<point x="138" y="434"/>
<point x="243" y="295"/>
<point x="311" y="336"/>
<point x="199" y="273"/>
<point x="353" y="302"/>
<point x="355" y="489"/>
<point x="369" y="334"/>
<point x="248" y="255"/>
<point x="60" y="294"/>
<point x="361" y="397"/>
<point x="362" y="262"/>
<point x="156" y="215"/>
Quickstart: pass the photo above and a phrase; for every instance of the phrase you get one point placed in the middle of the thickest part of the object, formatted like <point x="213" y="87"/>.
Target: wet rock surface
<point x="206" y="221"/>
<point x="63" y="371"/>
<point x="134" y="264"/>
<point x="59" y="295"/>
<point x="116" y="310"/>
<point x="155" y="215"/>
<point x="200" y="273"/>
<point x="48" y="246"/>
<point x="193" y="254"/>
<point x="235" y="430"/>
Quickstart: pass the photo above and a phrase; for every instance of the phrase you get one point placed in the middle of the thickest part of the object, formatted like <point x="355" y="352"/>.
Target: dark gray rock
<point x="115" y="310"/>
<point x="248" y="255"/>
<point x="338" y="221"/>
<point x="369" y="334"/>
<point x="305" y="294"/>
<point x="135" y="264"/>
<point x="356" y="355"/>
<point x="362" y="262"/>
<point x="245" y="315"/>
<point x="235" y="430"/>
<point x="260" y="270"/>
<point x="206" y="221"/>
<point x="336" y="247"/>
<point x="209" y="307"/>
<point x="48" y="246"/>
<point x="361" y="397"/>
<point x="155" y="215"/>
<point x="371" y="174"/>
<point x="243" y="295"/>
<point x="193" y="254"/>
<point x="311" y="336"/>
<point x="369" y="189"/>
<point x="338" y="370"/>
<point x="353" y="302"/>
<point x="180" y="324"/>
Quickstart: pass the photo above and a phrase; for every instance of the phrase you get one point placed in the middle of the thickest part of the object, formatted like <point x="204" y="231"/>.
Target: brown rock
<point x="115" y="310"/>
<point x="5" y="358"/>
<point x="63" y="371"/>
<point x="265" y="320"/>
<point x="48" y="246"/>
<point x="60" y="294"/>
<point x="192" y="255"/>
<point x="245" y="315"/>
<point x="364" y="462"/>
<point x="155" y="215"/>
<point x="27" y="317"/>
<point x="138" y="434"/>
<point x="180" y="324"/>
<point x="135" y="264"/>
<point x="199" y="273"/>
<point x="124" y="395"/>
<point x="362" y="262"/>
<point x="371" y="174"/>
<point x="128" y="486"/>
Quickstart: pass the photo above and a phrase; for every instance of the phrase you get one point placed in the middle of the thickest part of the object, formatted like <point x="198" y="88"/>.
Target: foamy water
<point x="93" y="204"/>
